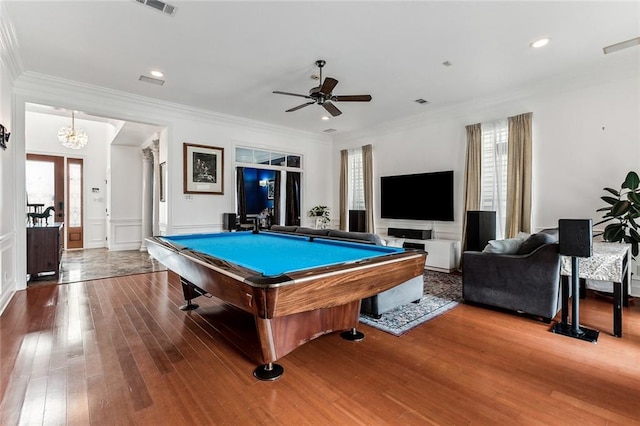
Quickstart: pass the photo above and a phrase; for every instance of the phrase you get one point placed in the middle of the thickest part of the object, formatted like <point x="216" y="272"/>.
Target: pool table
<point x="296" y="287"/>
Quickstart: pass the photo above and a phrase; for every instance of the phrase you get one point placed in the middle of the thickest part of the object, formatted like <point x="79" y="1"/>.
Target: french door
<point x="45" y="187"/>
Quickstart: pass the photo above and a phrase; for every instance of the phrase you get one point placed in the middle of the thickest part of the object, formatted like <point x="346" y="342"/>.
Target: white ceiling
<point x="228" y="57"/>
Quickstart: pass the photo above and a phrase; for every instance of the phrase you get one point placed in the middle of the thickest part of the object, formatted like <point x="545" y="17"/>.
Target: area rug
<point x="442" y="292"/>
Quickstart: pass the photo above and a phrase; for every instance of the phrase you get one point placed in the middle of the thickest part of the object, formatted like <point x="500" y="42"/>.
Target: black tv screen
<point x="422" y="196"/>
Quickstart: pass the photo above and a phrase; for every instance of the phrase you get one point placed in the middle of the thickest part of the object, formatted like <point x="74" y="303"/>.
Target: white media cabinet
<point x="442" y="255"/>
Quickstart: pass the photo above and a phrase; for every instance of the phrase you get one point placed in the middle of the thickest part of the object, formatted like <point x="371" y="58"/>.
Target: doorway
<point x="45" y="187"/>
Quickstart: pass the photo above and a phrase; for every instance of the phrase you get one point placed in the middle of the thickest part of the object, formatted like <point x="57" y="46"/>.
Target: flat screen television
<point x="422" y="196"/>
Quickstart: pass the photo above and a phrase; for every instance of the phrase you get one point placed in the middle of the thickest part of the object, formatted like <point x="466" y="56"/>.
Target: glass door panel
<point x="74" y="202"/>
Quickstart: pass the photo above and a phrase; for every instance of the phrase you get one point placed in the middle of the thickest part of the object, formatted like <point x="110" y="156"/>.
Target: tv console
<point x="442" y="255"/>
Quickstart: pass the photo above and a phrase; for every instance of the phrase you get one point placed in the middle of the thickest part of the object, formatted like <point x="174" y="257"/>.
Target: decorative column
<point x="147" y="196"/>
<point x="155" y="147"/>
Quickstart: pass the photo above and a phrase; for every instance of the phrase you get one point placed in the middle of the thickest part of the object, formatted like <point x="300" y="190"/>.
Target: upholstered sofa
<point x="410" y="291"/>
<point x="522" y="276"/>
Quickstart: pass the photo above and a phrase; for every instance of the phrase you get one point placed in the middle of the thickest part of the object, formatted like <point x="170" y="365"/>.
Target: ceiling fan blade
<point x="351" y="98"/>
<point x="300" y="106"/>
<point x="277" y="92"/>
<point x="328" y="85"/>
<point x="331" y="108"/>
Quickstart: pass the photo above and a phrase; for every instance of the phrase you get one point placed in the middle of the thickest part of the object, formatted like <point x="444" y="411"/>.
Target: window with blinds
<point x="493" y="176"/>
<point x="356" y="180"/>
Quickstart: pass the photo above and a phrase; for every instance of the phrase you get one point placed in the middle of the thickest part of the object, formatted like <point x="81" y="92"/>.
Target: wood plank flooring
<point x="118" y="351"/>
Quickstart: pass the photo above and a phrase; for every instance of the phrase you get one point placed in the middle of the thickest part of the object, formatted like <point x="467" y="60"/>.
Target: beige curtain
<point x="519" y="175"/>
<point x="472" y="169"/>
<point x="367" y="171"/>
<point x="344" y="188"/>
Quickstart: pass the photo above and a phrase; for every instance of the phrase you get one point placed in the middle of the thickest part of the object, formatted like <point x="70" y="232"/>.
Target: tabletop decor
<point x="322" y="215"/>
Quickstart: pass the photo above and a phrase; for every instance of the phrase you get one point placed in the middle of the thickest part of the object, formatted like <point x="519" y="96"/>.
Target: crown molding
<point x="97" y="100"/>
<point x="9" y="56"/>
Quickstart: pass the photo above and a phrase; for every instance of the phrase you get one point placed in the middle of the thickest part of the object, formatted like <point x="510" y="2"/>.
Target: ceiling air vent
<point x="151" y="80"/>
<point x="159" y="6"/>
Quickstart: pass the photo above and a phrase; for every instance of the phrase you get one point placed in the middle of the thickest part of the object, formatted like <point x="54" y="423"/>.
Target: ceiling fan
<point x="323" y="94"/>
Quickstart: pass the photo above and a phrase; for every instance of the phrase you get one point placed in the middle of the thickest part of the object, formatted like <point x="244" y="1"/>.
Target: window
<point x="356" y="180"/>
<point x="493" y="175"/>
<point x="269" y="158"/>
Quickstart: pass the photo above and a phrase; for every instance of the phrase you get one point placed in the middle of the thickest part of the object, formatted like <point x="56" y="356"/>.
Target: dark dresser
<point x="44" y="250"/>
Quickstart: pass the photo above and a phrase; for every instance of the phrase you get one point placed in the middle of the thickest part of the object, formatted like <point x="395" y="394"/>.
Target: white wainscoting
<point x="95" y="233"/>
<point x="7" y="268"/>
<point x="125" y="234"/>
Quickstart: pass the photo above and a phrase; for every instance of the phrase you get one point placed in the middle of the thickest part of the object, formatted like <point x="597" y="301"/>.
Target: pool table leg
<point x="353" y="335"/>
<point x="188" y="290"/>
<point x="268" y="371"/>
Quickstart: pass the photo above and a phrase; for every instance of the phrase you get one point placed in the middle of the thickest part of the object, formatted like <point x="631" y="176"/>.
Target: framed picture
<point x="270" y="190"/>
<point x="163" y="181"/>
<point x="203" y="169"/>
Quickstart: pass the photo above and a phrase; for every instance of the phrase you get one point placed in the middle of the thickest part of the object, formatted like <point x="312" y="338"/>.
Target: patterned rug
<point x="442" y="292"/>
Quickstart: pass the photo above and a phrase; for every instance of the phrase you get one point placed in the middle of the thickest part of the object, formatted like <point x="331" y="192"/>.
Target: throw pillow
<point x="507" y="246"/>
<point x="535" y="241"/>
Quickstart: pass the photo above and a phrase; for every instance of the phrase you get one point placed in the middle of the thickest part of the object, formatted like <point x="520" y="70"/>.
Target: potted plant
<point x="322" y="214"/>
<point x="624" y="209"/>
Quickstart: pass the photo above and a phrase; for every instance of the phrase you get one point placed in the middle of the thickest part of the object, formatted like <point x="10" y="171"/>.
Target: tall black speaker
<point x="228" y="221"/>
<point x="481" y="227"/>
<point x="357" y="221"/>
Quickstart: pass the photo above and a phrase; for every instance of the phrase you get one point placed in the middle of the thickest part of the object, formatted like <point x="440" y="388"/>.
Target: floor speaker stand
<point x="574" y="330"/>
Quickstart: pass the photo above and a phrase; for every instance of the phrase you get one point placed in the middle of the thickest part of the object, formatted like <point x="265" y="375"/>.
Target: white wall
<point x="8" y="238"/>
<point x="585" y="138"/>
<point x="125" y="208"/>
<point x="41" y="138"/>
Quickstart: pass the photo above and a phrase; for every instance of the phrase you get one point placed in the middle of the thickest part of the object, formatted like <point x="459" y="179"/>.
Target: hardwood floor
<point x="118" y="351"/>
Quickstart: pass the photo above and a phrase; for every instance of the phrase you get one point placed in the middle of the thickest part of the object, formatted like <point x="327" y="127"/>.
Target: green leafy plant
<point x="623" y="208"/>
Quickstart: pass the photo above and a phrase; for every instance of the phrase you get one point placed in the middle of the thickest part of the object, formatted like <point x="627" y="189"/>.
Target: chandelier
<point x="71" y="137"/>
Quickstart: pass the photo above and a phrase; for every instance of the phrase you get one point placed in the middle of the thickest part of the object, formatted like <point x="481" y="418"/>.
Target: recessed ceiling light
<point x="156" y="73"/>
<point x="540" y="42"/>
<point x="325" y="117"/>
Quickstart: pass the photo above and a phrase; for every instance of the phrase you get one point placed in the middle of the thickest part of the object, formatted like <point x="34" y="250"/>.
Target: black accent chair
<point x="527" y="282"/>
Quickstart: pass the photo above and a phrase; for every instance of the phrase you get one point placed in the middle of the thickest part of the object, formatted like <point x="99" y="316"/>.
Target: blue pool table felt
<point x="276" y="254"/>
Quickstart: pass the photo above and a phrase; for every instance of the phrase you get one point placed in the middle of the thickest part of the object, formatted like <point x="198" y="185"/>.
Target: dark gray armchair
<point x="526" y="282"/>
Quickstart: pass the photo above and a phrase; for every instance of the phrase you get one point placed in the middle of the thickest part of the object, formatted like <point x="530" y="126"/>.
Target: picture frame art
<point x="270" y="190"/>
<point x="203" y="169"/>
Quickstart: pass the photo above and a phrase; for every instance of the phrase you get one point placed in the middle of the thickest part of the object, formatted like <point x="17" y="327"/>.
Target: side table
<point x="609" y="262"/>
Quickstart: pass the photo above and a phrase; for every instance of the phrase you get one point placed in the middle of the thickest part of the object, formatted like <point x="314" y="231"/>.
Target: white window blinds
<point x="356" y="180"/>
<point x="493" y="191"/>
